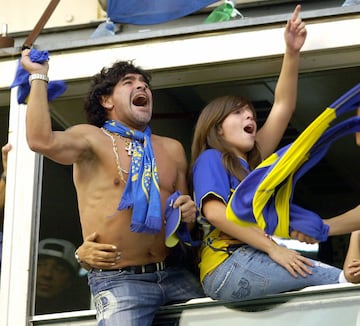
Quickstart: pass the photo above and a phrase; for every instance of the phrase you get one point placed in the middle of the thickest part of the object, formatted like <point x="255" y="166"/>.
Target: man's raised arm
<point x="63" y="147"/>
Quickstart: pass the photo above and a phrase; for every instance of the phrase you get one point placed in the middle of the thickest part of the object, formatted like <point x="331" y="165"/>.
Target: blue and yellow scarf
<point x="142" y="192"/>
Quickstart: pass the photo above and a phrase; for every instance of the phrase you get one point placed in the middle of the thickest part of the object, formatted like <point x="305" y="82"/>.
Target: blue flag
<point x="145" y="12"/>
<point x="55" y="87"/>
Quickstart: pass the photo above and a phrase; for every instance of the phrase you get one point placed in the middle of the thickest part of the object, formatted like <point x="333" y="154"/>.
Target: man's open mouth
<point x="140" y="100"/>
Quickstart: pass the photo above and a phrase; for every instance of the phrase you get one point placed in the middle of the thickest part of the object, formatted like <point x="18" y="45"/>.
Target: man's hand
<point x="187" y="208"/>
<point x="354" y="267"/>
<point x="97" y="255"/>
<point x="296" y="235"/>
<point x="5" y="150"/>
<point x="33" y="67"/>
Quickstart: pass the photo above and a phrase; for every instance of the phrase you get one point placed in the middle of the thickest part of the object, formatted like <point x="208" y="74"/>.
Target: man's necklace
<point x="129" y="145"/>
<point x="128" y="148"/>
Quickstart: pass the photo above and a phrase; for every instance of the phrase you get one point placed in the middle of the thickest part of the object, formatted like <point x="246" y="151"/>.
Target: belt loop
<point x="143" y="269"/>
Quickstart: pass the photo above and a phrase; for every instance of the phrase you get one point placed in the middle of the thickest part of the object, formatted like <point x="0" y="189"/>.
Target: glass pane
<point x="61" y="285"/>
<point x="4" y="125"/>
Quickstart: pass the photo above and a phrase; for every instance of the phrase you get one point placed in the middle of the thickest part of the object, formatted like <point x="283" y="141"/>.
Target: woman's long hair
<point x="207" y="135"/>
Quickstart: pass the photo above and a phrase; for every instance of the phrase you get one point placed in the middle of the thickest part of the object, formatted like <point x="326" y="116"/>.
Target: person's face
<point x="239" y="130"/>
<point x="131" y="102"/>
<point x="53" y="277"/>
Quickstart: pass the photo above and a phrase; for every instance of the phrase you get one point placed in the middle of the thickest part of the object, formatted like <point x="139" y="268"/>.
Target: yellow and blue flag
<point x="265" y="196"/>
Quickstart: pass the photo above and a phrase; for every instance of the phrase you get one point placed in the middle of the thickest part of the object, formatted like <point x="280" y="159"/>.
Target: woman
<point x="239" y="263"/>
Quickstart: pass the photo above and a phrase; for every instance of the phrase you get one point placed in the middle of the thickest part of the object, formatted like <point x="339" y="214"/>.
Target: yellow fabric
<point x="210" y="259"/>
<point x="230" y="215"/>
<point x="284" y="168"/>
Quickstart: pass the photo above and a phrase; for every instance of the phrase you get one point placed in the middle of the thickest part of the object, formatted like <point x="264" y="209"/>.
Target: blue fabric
<point x="55" y="87"/>
<point x="210" y="177"/>
<point x="142" y="192"/>
<point x="297" y="214"/>
<point x="308" y="222"/>
<point x="172" y="220"/>
<point x="145" y="12"/>
<point x="185" y="236"/>
<point x="124" y="298"/>
<point x="175" y="229"/>
<point x="106" y="28"/>
<point x="350" y="3"/>
<point x="250" y="273"/>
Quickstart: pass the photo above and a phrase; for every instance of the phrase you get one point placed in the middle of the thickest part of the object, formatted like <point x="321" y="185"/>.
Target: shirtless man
<point x="101" y="160"/>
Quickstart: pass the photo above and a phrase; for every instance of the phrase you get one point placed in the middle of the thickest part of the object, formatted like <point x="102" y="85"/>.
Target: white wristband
<point x="78" y="258"/>
<point x="38" y="76"/>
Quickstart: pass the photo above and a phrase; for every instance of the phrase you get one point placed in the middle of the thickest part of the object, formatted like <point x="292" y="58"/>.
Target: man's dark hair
<point x="103" y="84"/>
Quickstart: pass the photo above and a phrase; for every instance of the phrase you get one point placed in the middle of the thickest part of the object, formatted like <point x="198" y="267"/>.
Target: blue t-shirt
<point x="211" y="178"/>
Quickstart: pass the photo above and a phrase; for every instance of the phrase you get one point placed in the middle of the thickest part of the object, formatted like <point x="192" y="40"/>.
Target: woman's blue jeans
<point x="124" y="298"/>
<point x="249" y="273"/>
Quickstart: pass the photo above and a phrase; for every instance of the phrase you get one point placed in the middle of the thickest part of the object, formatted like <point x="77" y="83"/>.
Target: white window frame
<point x="22" y="210"/>
<point x="202" y="58"/>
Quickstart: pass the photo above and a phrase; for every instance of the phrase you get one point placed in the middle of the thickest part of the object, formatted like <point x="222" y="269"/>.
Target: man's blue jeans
<point x="124" y="298"/>
<point x="249" y="273"/>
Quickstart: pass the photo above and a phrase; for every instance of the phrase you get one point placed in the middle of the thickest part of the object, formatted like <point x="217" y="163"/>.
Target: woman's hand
<point x="291" y="260"/>
<point x="295" y="31"/>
